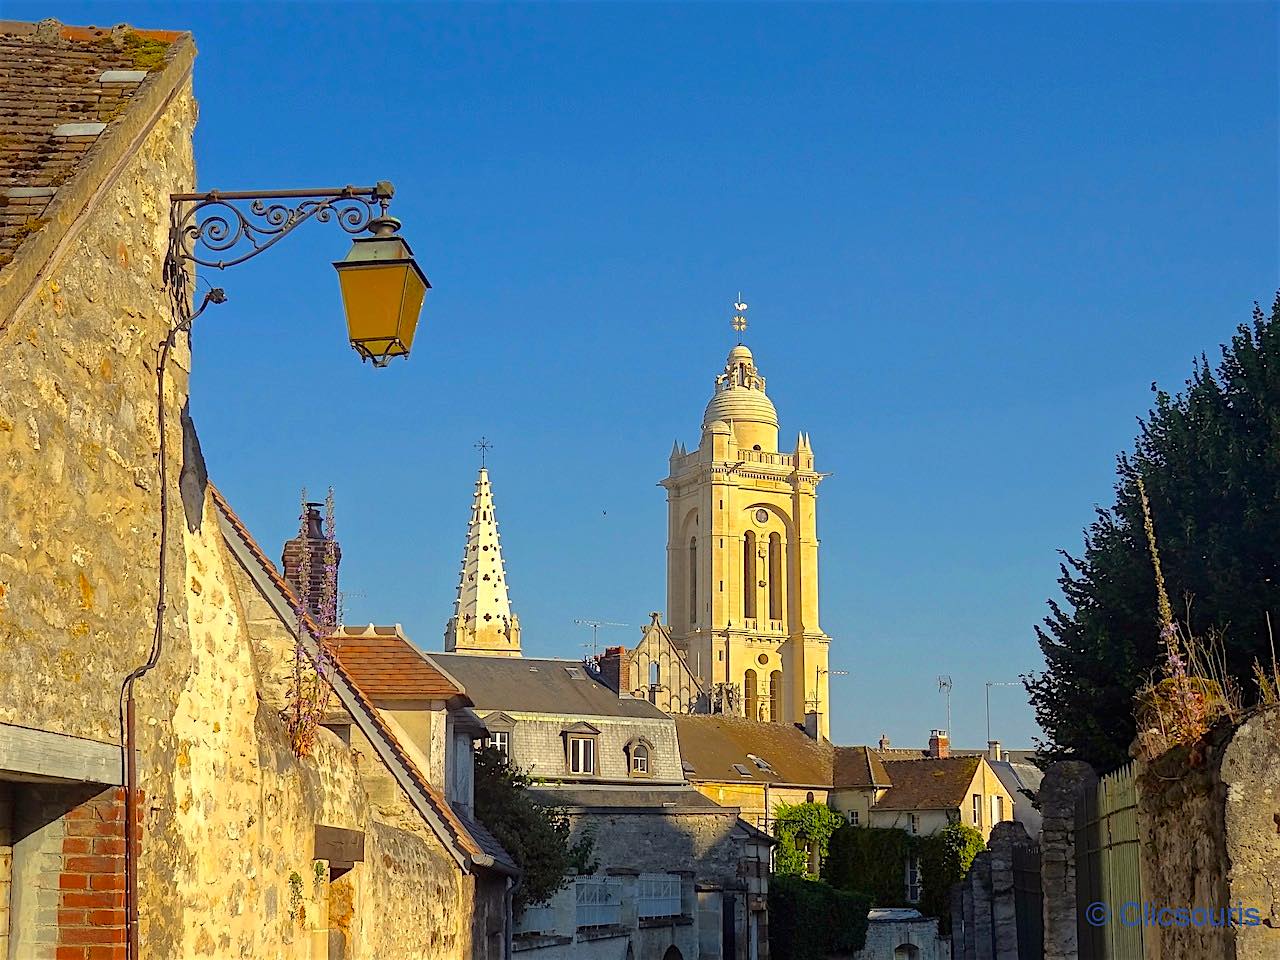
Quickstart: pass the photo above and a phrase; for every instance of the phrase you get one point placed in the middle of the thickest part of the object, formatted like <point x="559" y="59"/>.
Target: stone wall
<point x="1064" y="782"/>
<point x="1208" y="820"/>
<point x="226" y="864"/>
<point x="884" y="937"/>
<point x="667" y="841"/>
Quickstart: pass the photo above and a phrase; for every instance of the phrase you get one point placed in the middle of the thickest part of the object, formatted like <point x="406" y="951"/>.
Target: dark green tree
<point x="1210" y="459"/>
<point x="537" y="836"/>
<point x="802" y="831"/>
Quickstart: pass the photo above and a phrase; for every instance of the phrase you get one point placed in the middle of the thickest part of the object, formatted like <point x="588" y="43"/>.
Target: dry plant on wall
<point x="311" y="677"/>
<point x="1192" y="690"/>
<point x="1268" y="680"/>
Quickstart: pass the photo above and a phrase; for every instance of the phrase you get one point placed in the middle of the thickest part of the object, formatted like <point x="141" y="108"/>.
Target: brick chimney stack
<point x="939" y="744"/>
<point x="615" y="670"/>
<point x="291" y="561"/>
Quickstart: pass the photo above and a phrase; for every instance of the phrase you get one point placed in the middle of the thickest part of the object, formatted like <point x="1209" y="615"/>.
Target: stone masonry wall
<point x="226" y="864"/>
<point x="662" y="842"/>
<point x="1210" y="838"/>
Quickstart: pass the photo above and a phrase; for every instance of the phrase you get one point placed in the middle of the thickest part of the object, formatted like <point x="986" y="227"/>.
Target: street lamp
<point x="382" y="286"/>
<point x="382" y="292"/>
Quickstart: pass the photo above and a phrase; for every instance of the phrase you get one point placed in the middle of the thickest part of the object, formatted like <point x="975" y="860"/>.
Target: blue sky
<point x="971" y="237"/>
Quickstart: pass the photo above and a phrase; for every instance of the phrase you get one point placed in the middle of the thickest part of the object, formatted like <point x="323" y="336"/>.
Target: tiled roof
<point x="859" y="767"/>
<point x="526" y="685"/>
<point x="61" y="89"/>
<point x="934" y="783"/>
<point x="720" y="748"/>
<point x="388" y="667"/>
<point x="452" y="829"/>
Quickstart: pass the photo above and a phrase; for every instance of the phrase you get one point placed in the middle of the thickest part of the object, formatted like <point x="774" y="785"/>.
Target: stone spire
<point x="482" y="620"/>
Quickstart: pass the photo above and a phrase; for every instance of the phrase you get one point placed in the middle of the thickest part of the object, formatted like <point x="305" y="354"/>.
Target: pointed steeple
<point x="482" y="620"/>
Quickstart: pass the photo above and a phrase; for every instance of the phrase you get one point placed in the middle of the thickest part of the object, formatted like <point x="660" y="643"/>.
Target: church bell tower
<point x="482" y="620"/>
<point x="742" y="555"/>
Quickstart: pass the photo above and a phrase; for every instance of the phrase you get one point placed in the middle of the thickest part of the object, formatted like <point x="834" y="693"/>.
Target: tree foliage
<point x="803" y="831"/>
<point x="1208" y="459"/>
<point x="944" y="860"/>
<point x="537" y="836"/>
<point x="810" y="920"/>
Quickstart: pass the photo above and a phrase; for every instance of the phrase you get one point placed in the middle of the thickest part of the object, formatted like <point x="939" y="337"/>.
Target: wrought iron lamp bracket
<point x="224" y="228"/>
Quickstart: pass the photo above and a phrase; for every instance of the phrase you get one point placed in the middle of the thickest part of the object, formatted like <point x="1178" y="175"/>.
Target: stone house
<point x="679" y="876"/>
<point x="241" y="847"/>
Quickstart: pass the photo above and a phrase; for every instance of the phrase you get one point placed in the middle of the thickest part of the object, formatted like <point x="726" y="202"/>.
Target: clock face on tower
<point x="762" y="515"/>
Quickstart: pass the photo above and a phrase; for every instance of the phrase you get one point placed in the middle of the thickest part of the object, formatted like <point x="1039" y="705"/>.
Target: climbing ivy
<point x="874" y="861"/>
<point x="802" y="829"/>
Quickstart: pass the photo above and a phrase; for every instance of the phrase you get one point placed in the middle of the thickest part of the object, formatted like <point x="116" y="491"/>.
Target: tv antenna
<point x="944" y="687"/>
<point x="595" y="626"/>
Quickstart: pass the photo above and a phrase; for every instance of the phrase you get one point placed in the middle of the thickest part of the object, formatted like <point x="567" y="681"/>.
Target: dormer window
<point x="580" y="749"/>
<point x="640" y="757"/>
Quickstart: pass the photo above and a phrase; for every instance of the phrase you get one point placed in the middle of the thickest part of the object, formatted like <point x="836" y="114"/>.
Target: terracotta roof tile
<point x="387" y="666"/>
<point x="859" y="767"/>
<point x="932" y="783"/>
<point x="49" y="78"/>
<point x="715" y="746"/>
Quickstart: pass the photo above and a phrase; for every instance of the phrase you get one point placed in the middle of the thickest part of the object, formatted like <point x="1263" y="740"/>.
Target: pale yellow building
<point x="742" y="558"/>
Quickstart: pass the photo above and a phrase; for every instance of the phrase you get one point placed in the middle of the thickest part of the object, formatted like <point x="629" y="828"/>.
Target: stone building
<point x="243" y="847"/>
<point x="742" y="557"/>
<point x="482" y="620"/>
<point x="656" y="671"/>
<point x="677" y="872"/>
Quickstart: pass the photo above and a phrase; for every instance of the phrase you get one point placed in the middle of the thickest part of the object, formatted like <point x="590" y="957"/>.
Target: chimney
<point x="939" y="744"/>
<point x="811" y="724"/>
<point x="313" y="547"/>
<point x="993" y="750"/>
<point x="884" y="741"/>
<point x="615" y="670"/>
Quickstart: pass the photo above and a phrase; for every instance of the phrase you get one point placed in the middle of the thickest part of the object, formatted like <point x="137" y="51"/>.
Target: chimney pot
<point x="993" y="750"/>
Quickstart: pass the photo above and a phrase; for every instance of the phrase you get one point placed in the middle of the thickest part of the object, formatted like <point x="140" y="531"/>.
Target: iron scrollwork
<point x="222" y="229"/>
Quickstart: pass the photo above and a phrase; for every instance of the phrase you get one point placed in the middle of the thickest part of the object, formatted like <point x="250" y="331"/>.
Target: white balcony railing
<point x="658" y="895"/>
<point x="537" y="919"/>
<point x="599" y="901"/>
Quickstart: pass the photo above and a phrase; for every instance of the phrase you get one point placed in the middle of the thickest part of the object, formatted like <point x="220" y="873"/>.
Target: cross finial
<point x="484" y="446"/>
<point x="739" y="316"/>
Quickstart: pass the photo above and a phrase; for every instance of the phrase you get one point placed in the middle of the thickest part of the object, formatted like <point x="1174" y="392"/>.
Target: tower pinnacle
<point x="482" y="620"/>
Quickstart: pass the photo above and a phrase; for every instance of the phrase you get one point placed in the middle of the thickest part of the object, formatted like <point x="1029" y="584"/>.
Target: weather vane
<point x="484" y="446"/>
<point x="739" y="316"/>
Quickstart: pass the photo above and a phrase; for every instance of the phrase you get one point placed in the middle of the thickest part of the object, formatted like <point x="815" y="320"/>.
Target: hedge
<point x="809" y="919"/>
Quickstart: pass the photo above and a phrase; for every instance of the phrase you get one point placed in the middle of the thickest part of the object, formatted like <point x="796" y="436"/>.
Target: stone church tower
<point x="482" y="620"/>
<point x="742" y="557"/>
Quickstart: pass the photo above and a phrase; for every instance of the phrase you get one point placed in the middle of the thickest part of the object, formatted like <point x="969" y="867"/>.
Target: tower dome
<point x="740" y="399"/>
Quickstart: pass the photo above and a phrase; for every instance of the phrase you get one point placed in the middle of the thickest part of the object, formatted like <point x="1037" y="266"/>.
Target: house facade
<point x="678" y="875"/>
<point x="241" y="845"/>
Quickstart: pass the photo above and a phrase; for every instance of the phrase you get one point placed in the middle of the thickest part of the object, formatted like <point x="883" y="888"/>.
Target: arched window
<point x="906" y="951"/>
<point x="640" y="757"/>
<point x="655" y="674"/>
<point x="775" y="577"/>
<point x="775" y="696"/>
<point x="693" y="580"/>
<point x="749" y="575"/>
<point x="749" y="692"/>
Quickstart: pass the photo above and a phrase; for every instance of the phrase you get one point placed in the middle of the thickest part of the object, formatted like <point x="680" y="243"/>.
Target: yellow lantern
<point x="382" y="293"/>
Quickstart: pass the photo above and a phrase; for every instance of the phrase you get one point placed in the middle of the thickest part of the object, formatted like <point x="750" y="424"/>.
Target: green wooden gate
<point x="1107" y="871"/>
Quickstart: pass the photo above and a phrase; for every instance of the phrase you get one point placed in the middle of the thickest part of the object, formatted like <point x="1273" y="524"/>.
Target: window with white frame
<point x="913" y="823"/>
<point x="977" y="809"/>
<point x="640" y="759"/>
<point x="659" y="895"/>
<point x="582" y="755"/>
<point x="997" y="809"/>
<point x="913" y="879"/>
<point x="500" y="740"/>
<point x="598" y="901"/>
<point x="853" y="818"/>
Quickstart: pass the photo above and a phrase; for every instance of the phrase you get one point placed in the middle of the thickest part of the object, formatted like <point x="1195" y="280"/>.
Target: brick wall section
<point x="91" y="915"/>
